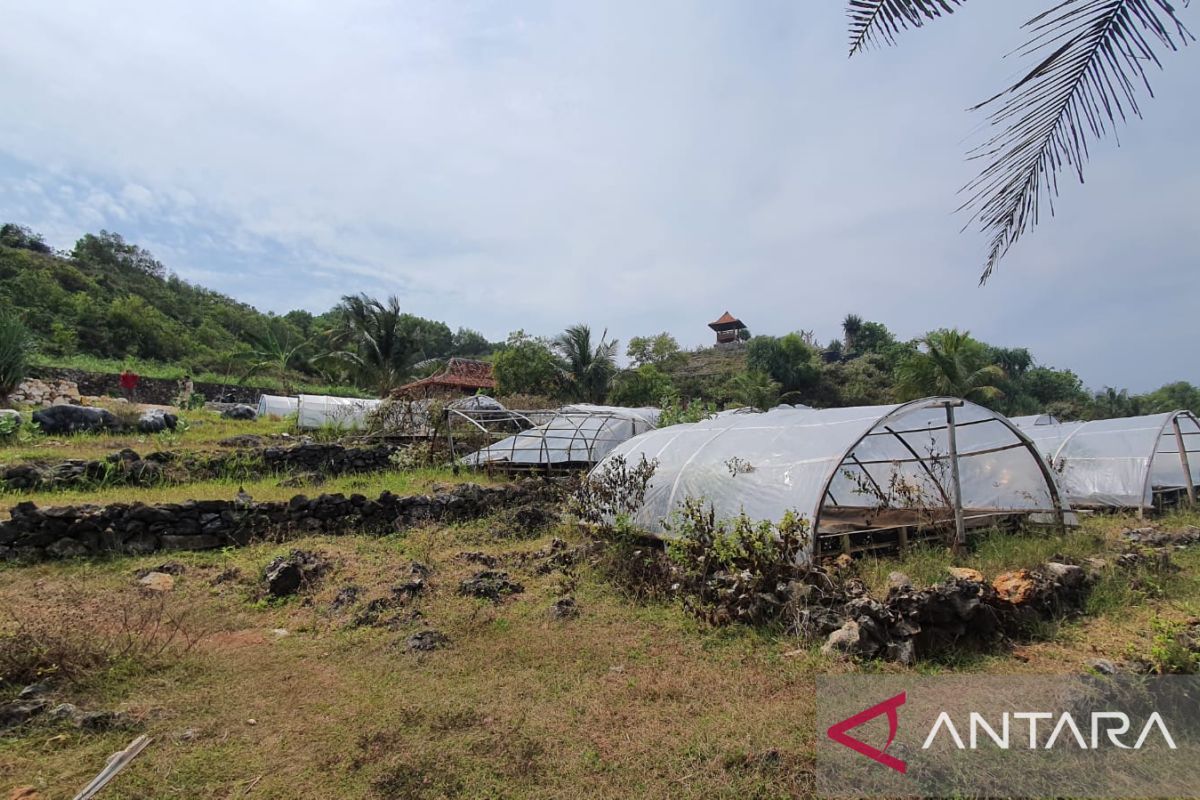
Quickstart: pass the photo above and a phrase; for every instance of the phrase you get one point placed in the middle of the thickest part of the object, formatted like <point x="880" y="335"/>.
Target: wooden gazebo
<point x="728" y="328"/>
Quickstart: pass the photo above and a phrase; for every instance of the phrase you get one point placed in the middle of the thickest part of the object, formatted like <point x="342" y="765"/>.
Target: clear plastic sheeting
<point x="1034" y="420"/>
<point x="1122" y="462"/>
<point x="477" y="402"/>
<point x="842" y="461"/>
<point x="576" y="434"/>
<point x="319" y="411"/>
<point x="270" y="405"/>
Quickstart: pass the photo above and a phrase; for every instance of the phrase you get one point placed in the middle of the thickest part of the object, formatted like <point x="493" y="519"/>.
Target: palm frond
<point x="1097" y="53"/>
<point x="876" y="22"/>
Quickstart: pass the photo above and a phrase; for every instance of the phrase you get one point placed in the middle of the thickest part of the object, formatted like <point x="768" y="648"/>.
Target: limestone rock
<point x="965" y="574"/>
<point x="1017" y="587"/>
<point x="157" y="582"/>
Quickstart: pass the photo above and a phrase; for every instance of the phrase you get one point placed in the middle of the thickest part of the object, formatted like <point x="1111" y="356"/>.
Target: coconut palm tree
<point x="950" y="364"/>
<point x="754" y="388"/>
<point x="851" y="326"/>
<point x="280" y="356"/>
<point x="1092" y="56"/>
<point x="589" y="370"/>
<point x="370" y="337"/>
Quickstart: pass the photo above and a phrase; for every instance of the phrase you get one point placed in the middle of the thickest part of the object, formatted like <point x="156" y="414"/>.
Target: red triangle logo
<point x="890" y="707"/>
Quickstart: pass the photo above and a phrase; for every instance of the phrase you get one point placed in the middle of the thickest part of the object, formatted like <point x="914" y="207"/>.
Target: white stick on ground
<point x="116" y="763"/>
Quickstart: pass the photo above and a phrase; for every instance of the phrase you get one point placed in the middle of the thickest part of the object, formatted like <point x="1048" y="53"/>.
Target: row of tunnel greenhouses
<point x="855" y="474"/>
<point x="866" y="477"/>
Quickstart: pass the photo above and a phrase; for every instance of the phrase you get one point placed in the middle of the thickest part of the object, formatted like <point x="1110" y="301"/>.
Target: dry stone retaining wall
<point x="127" y="468"/>
<point x="35" y="392"/>
<point x="160" y="391"/>
<point x="34" y="533"/>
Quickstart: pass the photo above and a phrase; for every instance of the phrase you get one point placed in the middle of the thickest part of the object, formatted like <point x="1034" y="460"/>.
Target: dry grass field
<point x="320" y="695"/>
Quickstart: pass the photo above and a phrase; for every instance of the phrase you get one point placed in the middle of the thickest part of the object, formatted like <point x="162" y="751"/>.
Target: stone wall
<point x="37" y="392"/>
<point x="33" y="533"/>
<point x="159" y="391"/>
<point x="127" y="468"/>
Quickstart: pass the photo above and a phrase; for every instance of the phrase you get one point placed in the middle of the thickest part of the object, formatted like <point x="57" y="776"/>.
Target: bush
<point x="609" y="498"/>
<point x="608" y="501"/>
<point x="16" y="350"/>
<point x="9" y="426"/>
<point x="64" y="635"/>
<point x="1174" y="648"/>
<point x="731" y="570"/>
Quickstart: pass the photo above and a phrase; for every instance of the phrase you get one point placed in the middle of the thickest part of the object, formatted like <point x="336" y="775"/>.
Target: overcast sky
<point x="640" y="166"/>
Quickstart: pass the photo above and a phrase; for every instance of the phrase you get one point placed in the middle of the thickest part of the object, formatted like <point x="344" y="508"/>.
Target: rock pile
<point x="34" y="702"/>
<point x="490" y="585"/>
<point x="426" y="641"/>
<point x="64" y="420"/>
<point x="564" y="608"/>
<point x="50" y="392"/>
<point x="240" y="411"/>
<point x="911" y="623"/>
<point x="1152" y="537"/>
<point x="297" y="571"/>
<point x="35" y="533"/>
<point x="124" y="467"/>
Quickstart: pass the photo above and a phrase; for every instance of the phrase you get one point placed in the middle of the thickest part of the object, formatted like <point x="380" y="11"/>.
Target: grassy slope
<point x="189" y="324"/>
<point x="628" y="700"/>
<point x="169" y="371"/>
<point x="204" y="429"/>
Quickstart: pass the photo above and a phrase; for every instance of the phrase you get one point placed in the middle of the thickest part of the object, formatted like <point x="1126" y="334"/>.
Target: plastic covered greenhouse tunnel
<point x="866" y="478"/>
<point x="569" y="438"/>
<point x="1145" y="463"/>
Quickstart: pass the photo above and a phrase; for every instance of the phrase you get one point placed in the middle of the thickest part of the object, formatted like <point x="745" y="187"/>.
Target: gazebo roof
<point x="460" y="373"/>
<point x="726" y="322"/>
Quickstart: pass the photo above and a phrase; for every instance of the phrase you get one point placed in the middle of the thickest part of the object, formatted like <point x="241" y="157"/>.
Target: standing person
<point x="186" y="390"/>
<point x="129" y="382"/>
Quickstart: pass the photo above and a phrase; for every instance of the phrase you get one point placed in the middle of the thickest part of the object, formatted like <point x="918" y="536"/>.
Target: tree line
<point x="109" y="298"/>
<point x="866" y="365"/>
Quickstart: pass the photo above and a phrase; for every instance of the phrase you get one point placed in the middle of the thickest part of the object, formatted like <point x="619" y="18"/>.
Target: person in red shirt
<point x="129" y="381"/>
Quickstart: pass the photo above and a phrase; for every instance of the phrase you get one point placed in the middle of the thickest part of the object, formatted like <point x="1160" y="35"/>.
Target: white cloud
<point x="640" y="166"/>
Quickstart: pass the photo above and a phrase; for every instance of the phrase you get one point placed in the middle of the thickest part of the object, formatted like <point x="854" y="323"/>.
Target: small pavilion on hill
<point x="729" y="328"/>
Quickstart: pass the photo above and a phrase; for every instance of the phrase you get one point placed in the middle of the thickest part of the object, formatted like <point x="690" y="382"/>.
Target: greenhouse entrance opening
<point x="936" y="469"/>
<point x="867" y="478"/>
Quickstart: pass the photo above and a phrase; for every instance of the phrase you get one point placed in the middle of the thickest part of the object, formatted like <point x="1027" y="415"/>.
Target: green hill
<point x="111" y="299"/>
<point x="109" y="303"/>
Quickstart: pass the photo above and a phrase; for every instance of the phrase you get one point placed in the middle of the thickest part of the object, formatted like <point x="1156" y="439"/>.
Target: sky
<point x="636" y="166"/>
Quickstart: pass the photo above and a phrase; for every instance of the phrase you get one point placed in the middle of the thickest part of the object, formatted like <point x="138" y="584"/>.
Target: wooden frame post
<point x="1187" y="467"/>
<point x="960" y="531"/>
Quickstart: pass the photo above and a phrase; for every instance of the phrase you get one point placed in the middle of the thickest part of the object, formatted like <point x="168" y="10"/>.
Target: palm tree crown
<point x="372" y="340"/>
<point x="589" y="370"/>
<point x="951" y="364"/>
<point x="1092" y="56"/>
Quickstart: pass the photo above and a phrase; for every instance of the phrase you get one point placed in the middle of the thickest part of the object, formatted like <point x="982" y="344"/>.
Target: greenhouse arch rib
<point x="929" y="402"/>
